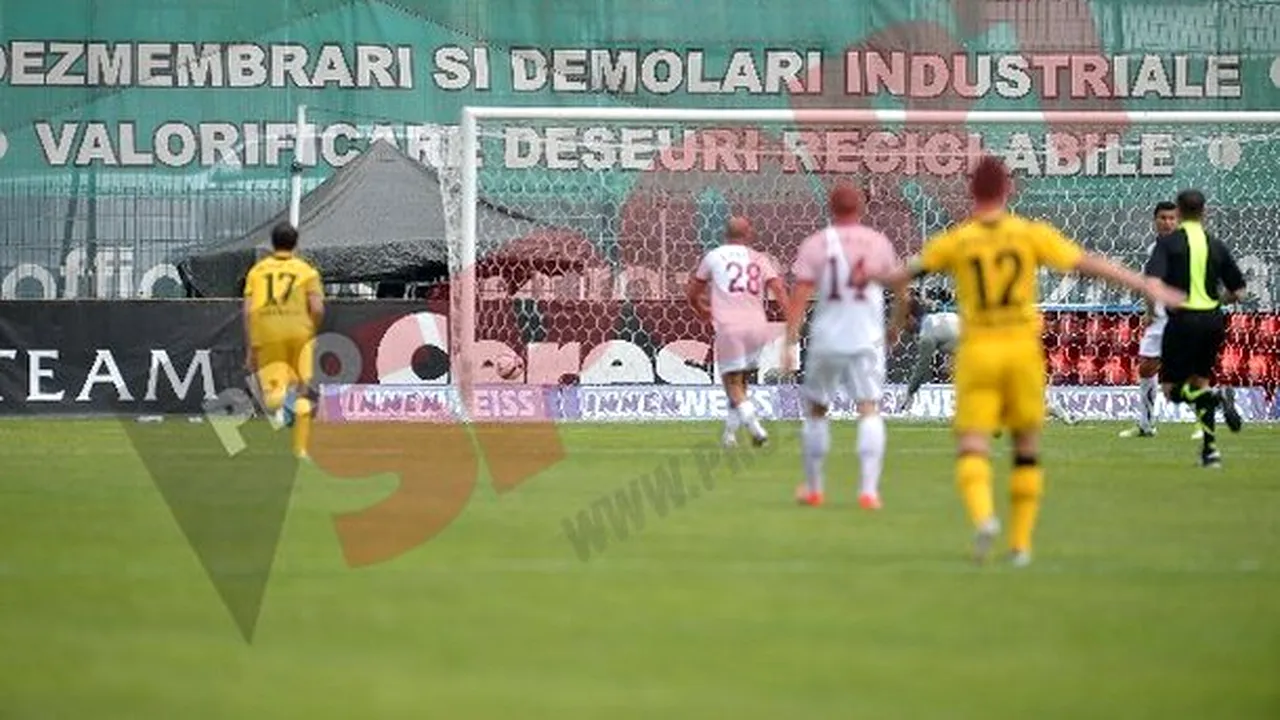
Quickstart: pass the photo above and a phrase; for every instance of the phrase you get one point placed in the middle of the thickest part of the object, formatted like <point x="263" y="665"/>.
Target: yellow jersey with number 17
<point x="276" y="291"/>
<point x="995" y="263"/>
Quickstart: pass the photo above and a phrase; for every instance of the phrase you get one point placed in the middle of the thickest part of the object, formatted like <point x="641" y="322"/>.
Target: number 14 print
<point x="857" y="280"/>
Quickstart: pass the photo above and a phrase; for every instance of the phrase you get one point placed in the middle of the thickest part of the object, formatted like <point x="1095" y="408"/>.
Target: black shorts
<point x="1192" y="341"/>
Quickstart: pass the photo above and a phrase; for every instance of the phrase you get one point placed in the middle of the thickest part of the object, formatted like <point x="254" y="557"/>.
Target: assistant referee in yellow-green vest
<point x="1197" y="263"/>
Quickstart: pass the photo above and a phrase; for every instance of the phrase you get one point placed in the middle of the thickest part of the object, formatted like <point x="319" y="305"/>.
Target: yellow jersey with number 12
<point x="276" y="289"/>
<point x="995" y="262"/>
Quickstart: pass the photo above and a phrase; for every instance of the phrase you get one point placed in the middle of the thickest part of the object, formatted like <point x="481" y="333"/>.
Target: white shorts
<point x="1149" y="346"/>
<point x="858" y="377"/>
<point x="739" y="349"/>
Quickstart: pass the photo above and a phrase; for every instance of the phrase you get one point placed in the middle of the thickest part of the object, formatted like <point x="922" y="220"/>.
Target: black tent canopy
<point x="381" y="217"/>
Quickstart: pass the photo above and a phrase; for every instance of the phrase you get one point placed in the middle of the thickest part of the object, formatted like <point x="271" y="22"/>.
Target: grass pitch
<point x="1155" y="592"/>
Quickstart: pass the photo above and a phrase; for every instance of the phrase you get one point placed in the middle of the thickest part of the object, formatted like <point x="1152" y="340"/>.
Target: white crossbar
<point x="976" y="117"/>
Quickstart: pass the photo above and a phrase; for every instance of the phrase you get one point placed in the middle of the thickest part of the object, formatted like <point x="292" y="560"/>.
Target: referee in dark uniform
<point x="1195" y="262"/>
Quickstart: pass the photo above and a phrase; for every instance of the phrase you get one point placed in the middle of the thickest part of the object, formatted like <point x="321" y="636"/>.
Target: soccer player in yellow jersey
<point x="283" y="306"/>
<point x="993" y="258"/>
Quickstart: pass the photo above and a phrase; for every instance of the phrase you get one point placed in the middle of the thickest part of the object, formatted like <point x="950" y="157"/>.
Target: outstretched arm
<point x="901" y="275"/>
<point x="1151" y="287"/>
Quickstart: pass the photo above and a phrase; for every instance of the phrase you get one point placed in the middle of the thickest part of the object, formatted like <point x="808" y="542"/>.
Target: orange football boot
<point x="805" y="497"/>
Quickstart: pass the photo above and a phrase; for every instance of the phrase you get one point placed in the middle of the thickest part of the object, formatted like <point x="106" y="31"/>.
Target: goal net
<point x="575" y="230"/>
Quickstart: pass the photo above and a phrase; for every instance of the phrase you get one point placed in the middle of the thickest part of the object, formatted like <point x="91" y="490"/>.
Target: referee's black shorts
<point x="1192" y="341"/>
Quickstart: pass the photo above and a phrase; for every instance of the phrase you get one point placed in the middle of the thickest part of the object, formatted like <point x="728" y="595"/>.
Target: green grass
<point x="1155" y="593"/>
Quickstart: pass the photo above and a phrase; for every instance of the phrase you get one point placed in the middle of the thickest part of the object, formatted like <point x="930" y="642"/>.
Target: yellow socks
<point x="1026" y="486"/>
<point x="973" y="478"/>
<point x="301" y="426"/>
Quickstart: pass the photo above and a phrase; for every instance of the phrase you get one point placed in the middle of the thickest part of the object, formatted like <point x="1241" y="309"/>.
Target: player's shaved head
<point x="845" y="202"/>
<point x="990" y="181"/>
<point x="284" y="236"/>
<point x="738" y="229"/>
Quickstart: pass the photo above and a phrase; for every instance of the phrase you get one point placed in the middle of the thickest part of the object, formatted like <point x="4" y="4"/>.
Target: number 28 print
<point x="744" y="280"/>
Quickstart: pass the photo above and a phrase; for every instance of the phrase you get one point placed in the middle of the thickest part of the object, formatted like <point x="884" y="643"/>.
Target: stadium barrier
<point x="669" y="403"/>
<point x="388" y="360"/>
<point x="157" y="357"/>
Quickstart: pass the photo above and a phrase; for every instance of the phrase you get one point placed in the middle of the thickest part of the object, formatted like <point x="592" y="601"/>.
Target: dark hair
<point x="1163" y="206"/>
<point x="284" y="236"/>
<point x="990" y="180"/>
<point x="1191" y="204"/>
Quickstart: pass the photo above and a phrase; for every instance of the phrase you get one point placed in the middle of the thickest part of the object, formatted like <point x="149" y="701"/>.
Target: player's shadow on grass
<point x="231" y="508"/>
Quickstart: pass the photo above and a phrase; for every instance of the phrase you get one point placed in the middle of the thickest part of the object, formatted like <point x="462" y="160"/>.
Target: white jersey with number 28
<point x="737" y="275"/>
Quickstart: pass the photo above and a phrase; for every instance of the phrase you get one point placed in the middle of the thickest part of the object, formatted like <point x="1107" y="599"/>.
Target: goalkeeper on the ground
<point x="939" y="332"/>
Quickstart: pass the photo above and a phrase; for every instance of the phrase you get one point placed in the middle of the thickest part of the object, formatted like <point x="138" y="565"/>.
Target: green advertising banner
<point x="136" y="132"/>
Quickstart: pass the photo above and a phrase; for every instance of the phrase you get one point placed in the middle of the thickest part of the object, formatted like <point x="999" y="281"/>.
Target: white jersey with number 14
<point x="849" y="315"/>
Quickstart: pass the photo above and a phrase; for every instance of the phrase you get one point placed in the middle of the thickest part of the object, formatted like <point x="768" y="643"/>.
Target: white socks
<point x="731" y="424"/>
<point x="871" y="443"/>
<point x="747" y="415"/>
<point x="1147" y="387"/>
<point x="817" y="442"/>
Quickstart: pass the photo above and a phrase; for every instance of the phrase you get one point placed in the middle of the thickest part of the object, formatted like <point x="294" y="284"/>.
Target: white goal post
<point x="1183" y="127"/>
